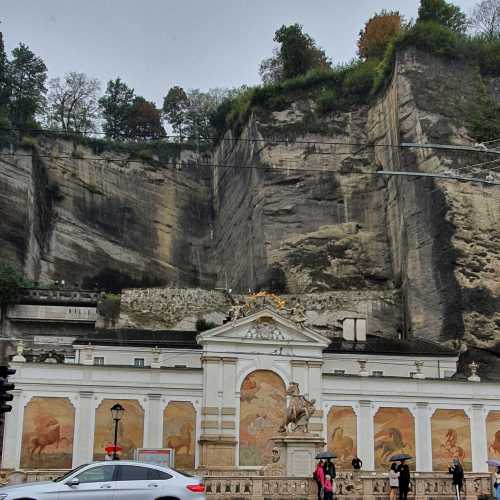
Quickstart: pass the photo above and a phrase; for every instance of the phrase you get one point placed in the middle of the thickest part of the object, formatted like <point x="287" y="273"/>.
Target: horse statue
<point x="299" y="411"/>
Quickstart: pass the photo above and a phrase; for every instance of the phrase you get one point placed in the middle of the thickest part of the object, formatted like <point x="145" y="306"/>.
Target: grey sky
<point x="155" y="44"/>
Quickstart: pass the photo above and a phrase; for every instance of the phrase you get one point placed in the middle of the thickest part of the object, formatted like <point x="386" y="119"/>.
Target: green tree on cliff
<point x="4" y="85"/>
<point x="27" y="74"/>
<point x="116" y="105"/>
<point x="443" y="13"/>
<point x="175" y="105"/>
<point x="296" y="55"/>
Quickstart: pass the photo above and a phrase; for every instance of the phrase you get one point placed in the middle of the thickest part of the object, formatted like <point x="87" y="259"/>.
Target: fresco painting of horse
<point x="450" y="439"/>
<point x="342" y="435"/>
<point x="262" y="412"/>
<point x="394" y="430"/>
<point x="493" y="434"/>
<point x="130" y="428"/>
<point x="48" y="429"/>
<point x="179" y="432"/>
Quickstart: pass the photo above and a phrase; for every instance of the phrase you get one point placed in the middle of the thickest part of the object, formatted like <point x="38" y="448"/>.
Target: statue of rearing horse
<point x="299" y="411"/>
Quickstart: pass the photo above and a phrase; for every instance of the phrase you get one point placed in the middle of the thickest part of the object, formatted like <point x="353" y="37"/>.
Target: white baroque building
<point x="219" y="396"/>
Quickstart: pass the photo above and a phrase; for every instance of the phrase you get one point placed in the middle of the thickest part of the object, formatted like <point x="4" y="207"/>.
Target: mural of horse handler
<point x="299" y="411"/>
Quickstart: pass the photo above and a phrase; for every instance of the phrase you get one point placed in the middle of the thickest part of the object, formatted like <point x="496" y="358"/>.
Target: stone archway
<point x="262" y="410"/>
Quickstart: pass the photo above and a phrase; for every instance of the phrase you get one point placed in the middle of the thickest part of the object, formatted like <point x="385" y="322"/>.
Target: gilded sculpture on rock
<point x="299" y="411"/>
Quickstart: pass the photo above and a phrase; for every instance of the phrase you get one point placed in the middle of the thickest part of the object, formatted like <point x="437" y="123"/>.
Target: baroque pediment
<point x="265" y="326"/>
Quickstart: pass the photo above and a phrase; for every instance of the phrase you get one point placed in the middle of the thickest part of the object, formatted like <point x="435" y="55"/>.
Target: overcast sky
<point x="155" y="44"/>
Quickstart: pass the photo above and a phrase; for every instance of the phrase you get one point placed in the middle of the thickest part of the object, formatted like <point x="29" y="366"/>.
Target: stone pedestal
<point x="217" y="452"/>
<point x="297" y="452"/>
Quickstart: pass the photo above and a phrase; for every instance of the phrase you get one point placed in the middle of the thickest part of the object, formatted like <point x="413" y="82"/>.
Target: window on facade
<point x="139" y="362"/>
<point x="99" y="360"/>
<point x="377" y="373"/>
<point x="339" y="372"/>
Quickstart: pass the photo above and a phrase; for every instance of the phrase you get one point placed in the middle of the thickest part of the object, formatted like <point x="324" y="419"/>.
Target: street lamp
<point x="117" y="411"/>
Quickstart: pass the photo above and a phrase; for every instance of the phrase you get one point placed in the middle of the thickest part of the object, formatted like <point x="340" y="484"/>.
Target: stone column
<point x="423" y="438"/>
<point x="366" y="435"/>
<point x="13" y="433"/>
<point x="154" y="422"/>
<point x="478" y="438"/>
<point x="84" y="429"/>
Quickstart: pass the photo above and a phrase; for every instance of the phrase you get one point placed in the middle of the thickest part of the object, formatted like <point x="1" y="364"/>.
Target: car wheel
<point x="167" y="498"/>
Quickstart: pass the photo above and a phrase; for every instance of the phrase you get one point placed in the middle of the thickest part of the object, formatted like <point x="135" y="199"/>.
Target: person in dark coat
<point x="329" y="468"/>
<point x="457" y="472"/>
<point x="357" y="463"/>
<point x="404" y="480"/>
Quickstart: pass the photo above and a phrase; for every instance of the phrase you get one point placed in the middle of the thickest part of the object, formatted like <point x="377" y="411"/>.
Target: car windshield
<point x="69" y="473"/>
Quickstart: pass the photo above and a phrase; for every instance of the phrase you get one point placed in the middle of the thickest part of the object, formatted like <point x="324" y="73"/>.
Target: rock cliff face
<point x="295" y="205"/>
<point x="434" y="244"/>
<point x="67" y="213"/>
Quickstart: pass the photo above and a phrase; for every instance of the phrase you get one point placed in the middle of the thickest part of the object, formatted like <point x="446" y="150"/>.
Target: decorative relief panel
<point x="48" y="429"/>
<point x="394" y="430"/>
<point x="265" y="331"/>
<point x="262" y="411"/>
<point x="342" y="435"/>
<point x="130" y="428"/>
<point x="179" y="432"/>
<point x="450" y="439"/>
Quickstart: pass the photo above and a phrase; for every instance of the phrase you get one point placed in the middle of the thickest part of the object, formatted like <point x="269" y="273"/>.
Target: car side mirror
<point x="73" y="482"/>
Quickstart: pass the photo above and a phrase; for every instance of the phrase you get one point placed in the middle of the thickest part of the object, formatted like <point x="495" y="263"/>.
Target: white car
<point x="113" y="480"/>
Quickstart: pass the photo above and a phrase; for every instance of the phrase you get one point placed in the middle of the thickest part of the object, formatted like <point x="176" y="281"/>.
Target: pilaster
<point x="478" y="438"/>
<point x="153" y="417"/>
<point x="365" y="432"/>
<point x="12" y="434"/>
<point x="423" y="438"/>
<point x="84" y="429"/>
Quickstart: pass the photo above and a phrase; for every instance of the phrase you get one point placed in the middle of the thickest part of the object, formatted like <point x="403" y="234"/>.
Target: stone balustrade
<point x="59" y="296"/>
<point x="234" y="484"/>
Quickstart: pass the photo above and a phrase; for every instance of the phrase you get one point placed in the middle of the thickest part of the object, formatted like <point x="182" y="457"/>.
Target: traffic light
<point x="5" y="387"/>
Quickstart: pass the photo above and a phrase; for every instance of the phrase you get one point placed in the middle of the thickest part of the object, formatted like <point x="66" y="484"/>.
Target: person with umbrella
<point x="457" y="471"/>
<point x="393" y="481"/>
<point x="404" y="474"/>
<point x="328" y="469"/>
<point x="319" y="477"/>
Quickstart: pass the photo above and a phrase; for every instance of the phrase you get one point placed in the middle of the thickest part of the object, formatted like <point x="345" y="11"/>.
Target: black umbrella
<point x="401" y="456"/>
<point x="325" y="455"/>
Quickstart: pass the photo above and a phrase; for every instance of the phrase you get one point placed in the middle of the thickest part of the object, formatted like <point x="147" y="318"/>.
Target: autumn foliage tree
<point x="378" y="32"/>
<point x="144" y="121"/>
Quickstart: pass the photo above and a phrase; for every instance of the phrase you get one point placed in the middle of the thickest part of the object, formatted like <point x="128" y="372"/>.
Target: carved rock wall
<point x="68" y="213"/>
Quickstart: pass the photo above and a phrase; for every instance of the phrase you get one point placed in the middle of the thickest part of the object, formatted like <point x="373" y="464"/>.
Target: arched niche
<point x="262" y="410"/>
<point x="450" y="439"/>
<point x="179" y="432"/>
<point x="394" y="433"/>
<point x="130" y="428"/>
<point x="48" y="430"/>
<point x="342" y="435"/>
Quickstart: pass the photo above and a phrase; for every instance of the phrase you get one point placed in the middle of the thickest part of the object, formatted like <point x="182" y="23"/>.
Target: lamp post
<point x="117" y="411"/>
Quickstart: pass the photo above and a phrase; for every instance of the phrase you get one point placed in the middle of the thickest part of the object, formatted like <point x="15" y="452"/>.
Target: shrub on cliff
<point x="378" y="33"/>
<point x="10" y="281"/>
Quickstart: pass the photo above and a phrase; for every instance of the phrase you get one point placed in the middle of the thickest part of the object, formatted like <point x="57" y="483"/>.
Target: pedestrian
<point x="393" y="481"/>
<point x="319" y="477"/>
<point x="328" y="488"/>
<point x="108" y="456"/>
<point x="357" y="463"/>
<point x="457" y="472"/>
<point x="496" y="485"/>
<point x="404" y="480"/>
<point x="329" y="468"/>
